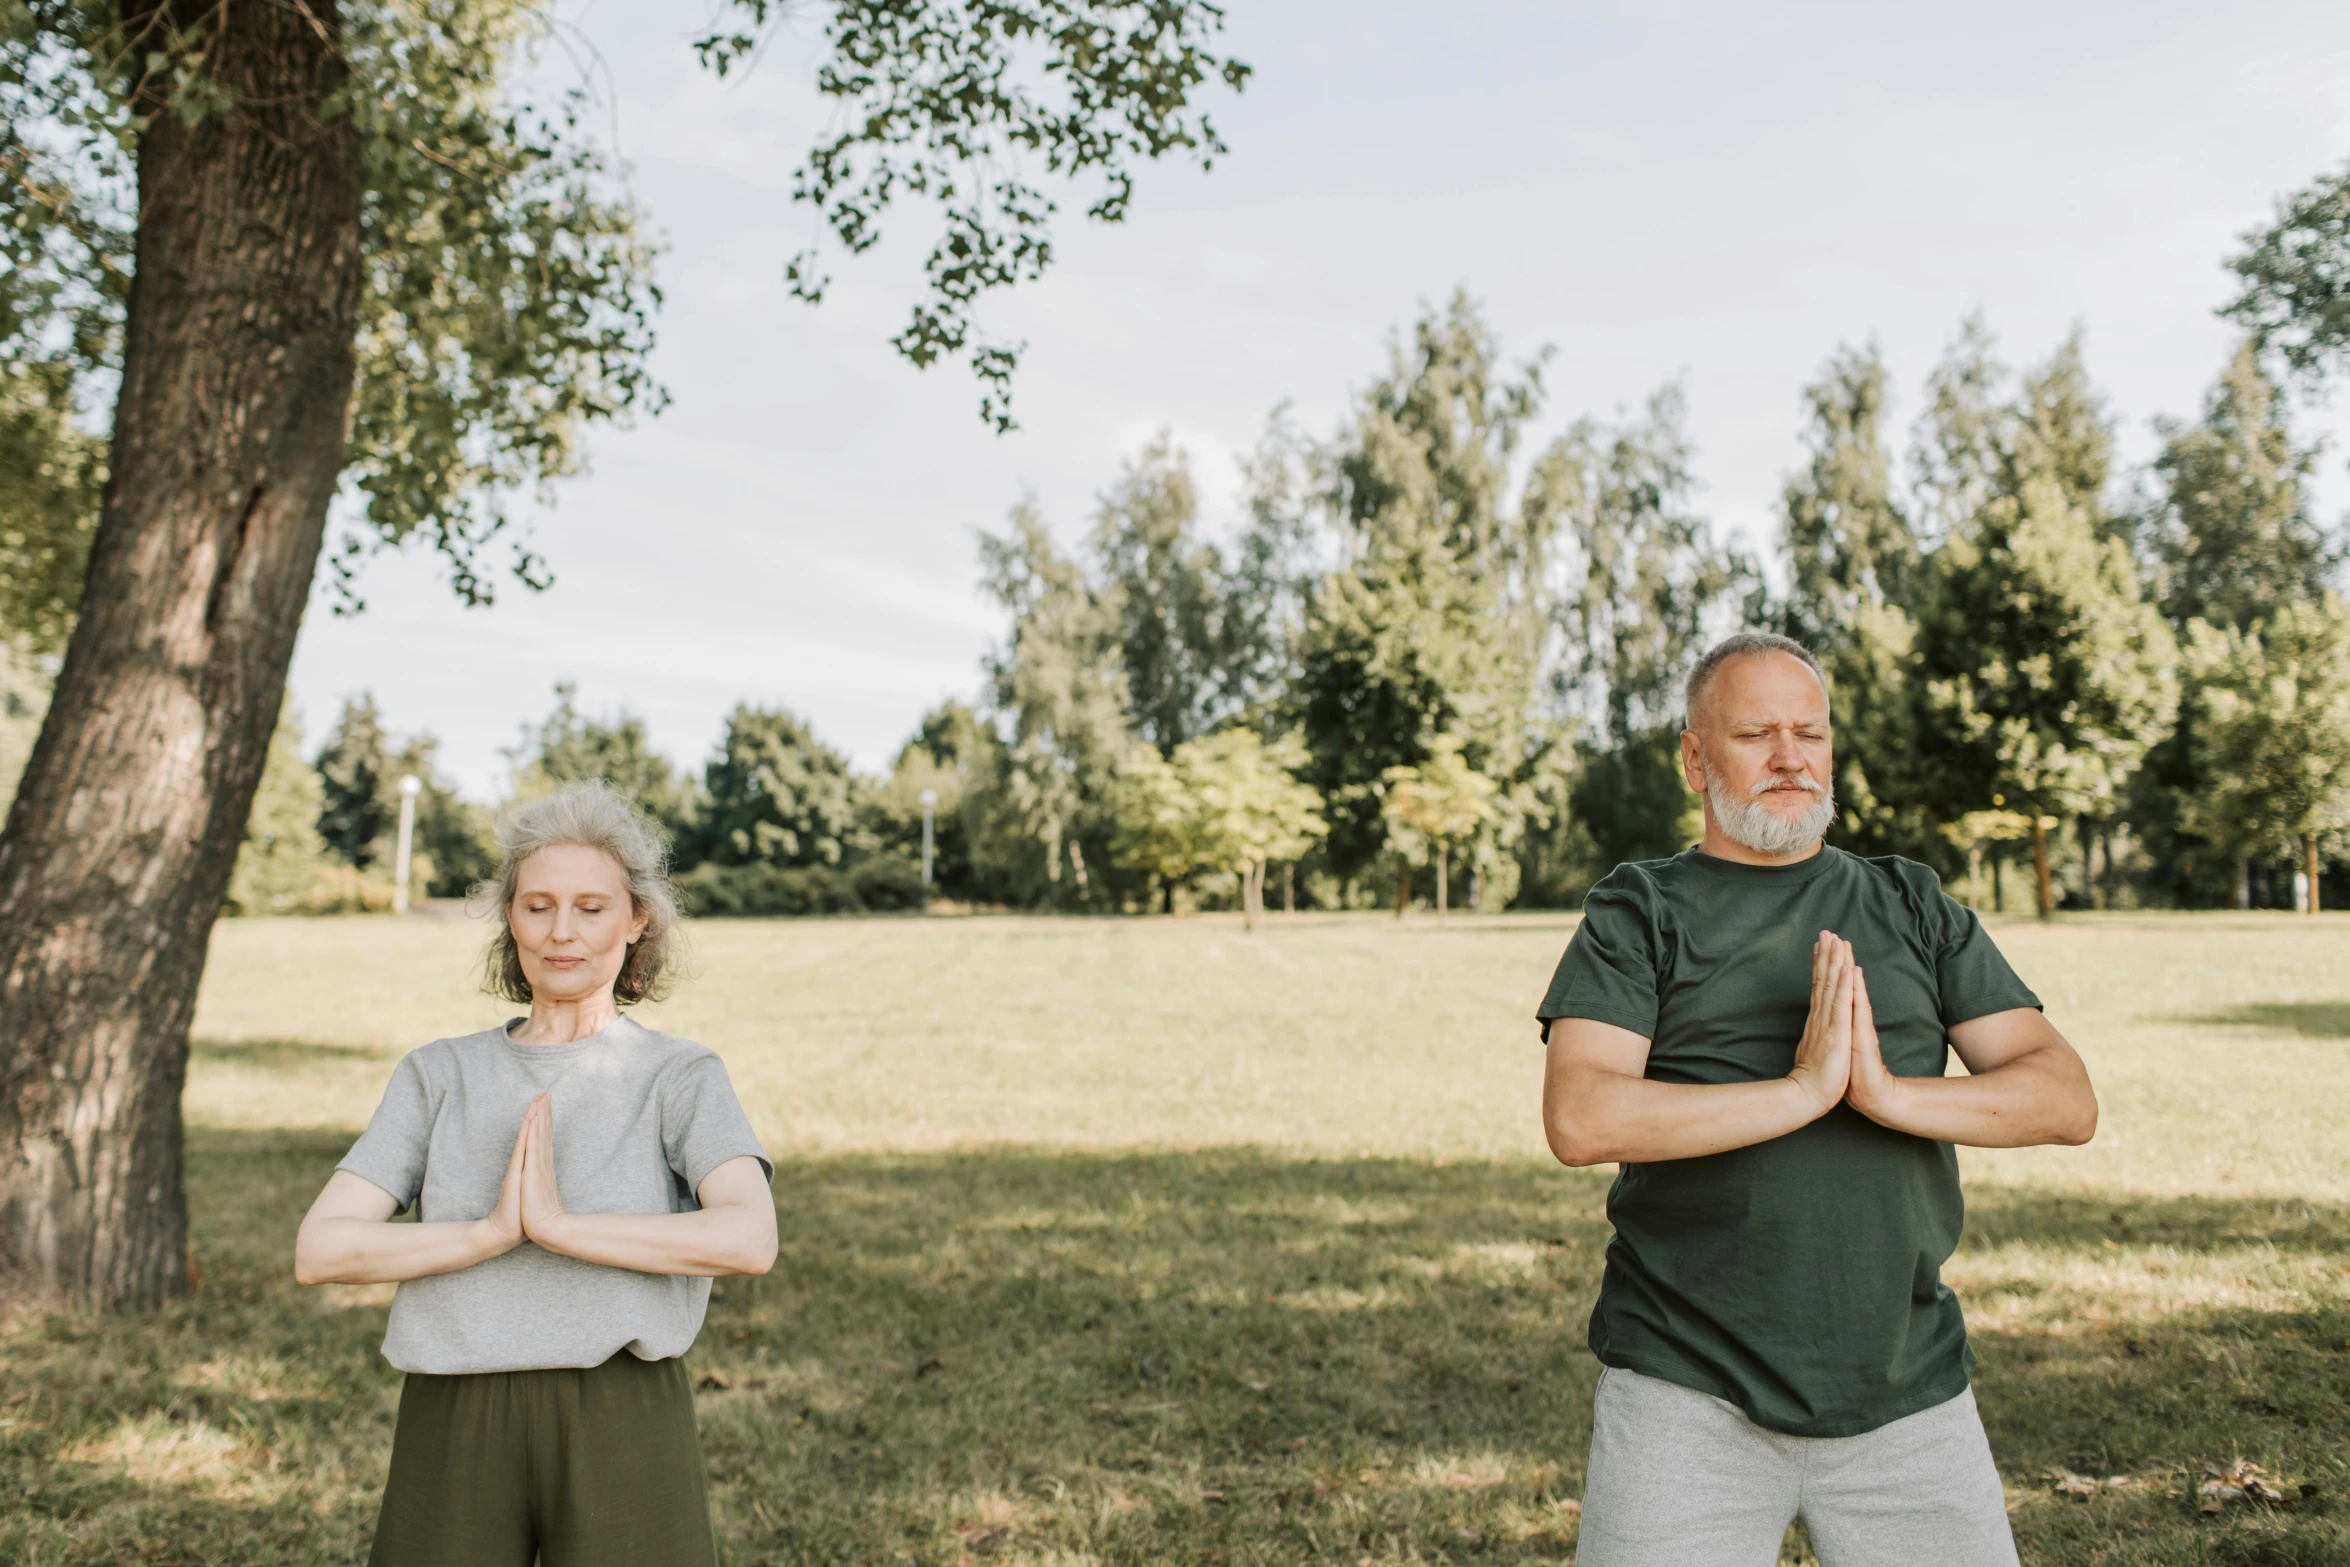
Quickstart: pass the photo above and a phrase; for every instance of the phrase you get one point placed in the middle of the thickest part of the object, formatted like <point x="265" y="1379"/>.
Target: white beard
<point x="1750" y="822"/>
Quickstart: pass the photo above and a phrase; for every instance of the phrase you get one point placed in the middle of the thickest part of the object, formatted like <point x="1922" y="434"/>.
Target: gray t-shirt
<point x="640" y="1118"/>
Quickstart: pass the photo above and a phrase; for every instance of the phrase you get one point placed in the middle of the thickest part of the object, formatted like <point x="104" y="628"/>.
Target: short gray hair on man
<point x="1745" y="642"/>
<point x="591" y="816"/>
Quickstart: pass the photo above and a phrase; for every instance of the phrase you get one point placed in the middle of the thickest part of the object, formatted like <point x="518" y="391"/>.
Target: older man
<point x="1755" y="1032"/>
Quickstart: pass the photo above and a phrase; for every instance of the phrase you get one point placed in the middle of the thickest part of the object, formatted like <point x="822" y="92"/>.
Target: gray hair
<point x="1744" y="643"/>
<point x="590" y="816"/>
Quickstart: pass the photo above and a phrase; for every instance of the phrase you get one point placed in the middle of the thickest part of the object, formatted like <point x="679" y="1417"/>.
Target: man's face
<point x="1762" y="736"/>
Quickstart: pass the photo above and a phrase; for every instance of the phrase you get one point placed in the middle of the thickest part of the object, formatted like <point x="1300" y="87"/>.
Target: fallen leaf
<point x="714" y="1381"/>
<point x="2074" y="1485"/>
<point x="2243" y="1481"/>
<point x="1569" y="1506"/>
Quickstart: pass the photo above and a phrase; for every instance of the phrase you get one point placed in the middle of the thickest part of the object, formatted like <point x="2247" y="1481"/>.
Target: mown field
<point x="1153" y="1241"/>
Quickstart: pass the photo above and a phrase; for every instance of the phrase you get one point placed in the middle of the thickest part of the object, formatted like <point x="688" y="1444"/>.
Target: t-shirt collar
<point x="618" y="1028"/>
<point x="1786" y="875"/>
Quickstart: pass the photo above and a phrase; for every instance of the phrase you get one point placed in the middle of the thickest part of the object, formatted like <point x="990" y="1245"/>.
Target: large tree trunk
<point x="228" y="437"/>
<point x="2311" y="864"/>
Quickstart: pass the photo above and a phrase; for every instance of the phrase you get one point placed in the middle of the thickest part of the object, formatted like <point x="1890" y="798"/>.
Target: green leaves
<point x="509" y="290"/>
<point x="2271" y="730"/>
<point x="2296" y="272"/>
<point x="950" y="102"/>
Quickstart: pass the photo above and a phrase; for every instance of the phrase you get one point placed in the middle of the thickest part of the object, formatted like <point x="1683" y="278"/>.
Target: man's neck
<point x="1721" y="846"/>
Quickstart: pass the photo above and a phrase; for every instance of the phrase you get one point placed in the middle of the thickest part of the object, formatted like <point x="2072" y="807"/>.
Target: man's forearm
<point x="2042" y="1097"/>
<point x="1601" y="1117"/>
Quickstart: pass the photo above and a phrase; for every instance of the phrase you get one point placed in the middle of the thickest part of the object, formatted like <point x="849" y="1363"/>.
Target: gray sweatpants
<point x="1679" y="1478"/>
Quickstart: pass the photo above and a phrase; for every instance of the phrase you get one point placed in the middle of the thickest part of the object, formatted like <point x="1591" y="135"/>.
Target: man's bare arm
<point x="1597" y="1107"/>
<point x="2025" y="1086"/>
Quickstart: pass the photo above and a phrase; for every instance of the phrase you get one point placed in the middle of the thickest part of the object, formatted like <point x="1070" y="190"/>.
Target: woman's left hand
<point x="542" y="1199"/>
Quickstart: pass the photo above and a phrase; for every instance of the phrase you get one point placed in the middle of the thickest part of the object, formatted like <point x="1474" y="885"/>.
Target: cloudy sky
<point x="1715" y="192"/>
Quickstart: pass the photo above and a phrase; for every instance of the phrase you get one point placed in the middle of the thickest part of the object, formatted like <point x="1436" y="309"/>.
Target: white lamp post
<point x="929" y="799"/>
<point x="410" y="787"/>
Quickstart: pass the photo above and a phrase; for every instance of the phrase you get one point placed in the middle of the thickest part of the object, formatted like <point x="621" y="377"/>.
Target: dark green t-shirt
<point x="1799" y="1278"/>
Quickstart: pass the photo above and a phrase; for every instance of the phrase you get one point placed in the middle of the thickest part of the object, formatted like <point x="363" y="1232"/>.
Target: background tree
<point x="954" y="754"/>
<point x="2232" y="538"/>
<point x="318" y="240"/>
<point x="283" y="861"/>
<point x="2047" y="673"/>
<point x="1432" y="621"/>
<point x="1855" y="567"/>
<point x="2296" y="272"/>
<point x="1254" y="808"/>
<point x="1646" y="586"/>
<point x="567" y="746"/>
<point x="1162" y="825"/>
<point x="1166" y="589"/>
<point x="51" y="474"/>
<point x="1435" y="808"/>
<point x="2272" y="734"/>
<point x="359" y="771"/>
<point x="777" y="795"/>
<point x="1058" y="689"/>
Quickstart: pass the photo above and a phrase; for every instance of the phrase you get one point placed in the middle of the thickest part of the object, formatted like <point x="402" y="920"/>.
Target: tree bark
<point x="2309" y="859"/>
<point x="228" y="439"/>
<point x="2243" y="881"/>
<point x="1403" y="886"/>
<point x="1289" y="888"/>
<point x="1443" y="882"/>
<point x="2042" y="889"/>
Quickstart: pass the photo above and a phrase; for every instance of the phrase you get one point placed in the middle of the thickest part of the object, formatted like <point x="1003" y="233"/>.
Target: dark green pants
<point x="567" y="1468"/>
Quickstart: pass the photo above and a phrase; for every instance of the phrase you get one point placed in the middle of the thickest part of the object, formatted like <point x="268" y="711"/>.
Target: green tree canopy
<point x="777" y="795"/>
<point x="2296" y="274"/>
<point x="2272" y="730"/>
<point x="954" y="101"/>
<point x="2233" y="533"/>
<point x="1856" y="566"/>
<point x="2047" y="671"/>
<point x="1057" y="688"/>
<point x="567" y="746"/>
<point x="1436" y="807"/>
<point x="1433" y="620"/>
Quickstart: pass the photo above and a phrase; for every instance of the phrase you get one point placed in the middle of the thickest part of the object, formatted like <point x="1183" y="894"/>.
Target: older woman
<point x="578" y="1180"/>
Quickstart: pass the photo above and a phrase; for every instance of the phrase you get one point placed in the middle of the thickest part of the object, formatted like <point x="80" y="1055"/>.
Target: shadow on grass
<point x="1019" y="1357"/>
<point x="2316" y="1019"/>
<point x="281" y="1054"/>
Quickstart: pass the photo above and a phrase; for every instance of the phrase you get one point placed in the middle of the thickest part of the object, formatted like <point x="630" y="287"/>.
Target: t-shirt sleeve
<point x="1608" y="972"/>
<point x="1972" y="976"/>
<point x="391" y="1152"/>
<point x="702" y="1123"/>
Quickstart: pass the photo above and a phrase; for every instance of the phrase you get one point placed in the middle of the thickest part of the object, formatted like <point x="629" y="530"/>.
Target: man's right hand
<point x="1823" y="1058"/>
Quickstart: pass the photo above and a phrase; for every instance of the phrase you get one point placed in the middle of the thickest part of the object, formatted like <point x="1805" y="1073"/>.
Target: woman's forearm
<point x="379" y="1251"/>
<point x="710" y="1243"/>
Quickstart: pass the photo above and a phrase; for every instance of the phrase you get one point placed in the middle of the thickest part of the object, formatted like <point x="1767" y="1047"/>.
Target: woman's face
<point x="572" y="920"/>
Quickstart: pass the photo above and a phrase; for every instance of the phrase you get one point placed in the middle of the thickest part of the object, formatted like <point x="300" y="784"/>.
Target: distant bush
<point x="884" y="884"/>
<point x="757" y="889"/>
<point x="887" y="884"/>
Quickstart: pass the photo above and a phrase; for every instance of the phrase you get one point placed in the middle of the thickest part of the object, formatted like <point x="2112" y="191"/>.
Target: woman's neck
<point x="567" y="1022"/>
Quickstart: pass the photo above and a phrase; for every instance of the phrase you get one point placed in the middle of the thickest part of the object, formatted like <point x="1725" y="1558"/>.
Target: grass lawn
<point x="1152" y="1241"/>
